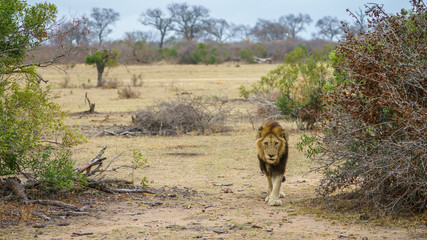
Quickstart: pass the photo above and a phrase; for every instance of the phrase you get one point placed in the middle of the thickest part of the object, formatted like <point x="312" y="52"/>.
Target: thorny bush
<point x="185" y="114"/>
<point x="374" y="140"/>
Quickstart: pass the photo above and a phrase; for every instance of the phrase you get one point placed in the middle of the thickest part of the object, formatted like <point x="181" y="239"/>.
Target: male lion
<point x="272" y="146"/>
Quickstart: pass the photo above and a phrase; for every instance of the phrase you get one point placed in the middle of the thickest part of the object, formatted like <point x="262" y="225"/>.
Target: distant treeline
<point x="187" y="52"/>
<point x="187" y="34"/>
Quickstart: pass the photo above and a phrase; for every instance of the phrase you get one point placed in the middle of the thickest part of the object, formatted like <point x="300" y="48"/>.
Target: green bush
<point x="203" y="53"/>
<point x="170" y="53"/>
<point x="210" y="60"/>
<point x="299" y="83"/>
<point x="28" y="118"/>
<point x="55" y="169"/>
<point x="247" y="55"/>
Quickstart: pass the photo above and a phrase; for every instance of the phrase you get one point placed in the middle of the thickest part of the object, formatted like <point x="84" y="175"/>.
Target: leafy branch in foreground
<point x="28" y="119"/>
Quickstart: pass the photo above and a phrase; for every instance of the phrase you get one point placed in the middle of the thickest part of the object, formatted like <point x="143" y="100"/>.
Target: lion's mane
<point x="273" y="127"/>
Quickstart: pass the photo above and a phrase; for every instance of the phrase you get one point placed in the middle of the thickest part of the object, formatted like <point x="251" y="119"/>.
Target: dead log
<point x="263" y="60"/>
<point x="96" y="161"/>
<point x="73" y="213"/>
<point x="18" y="191"/>
<point x="103" y="170"/>
<point x="14" y="184"/>
<point x="132" y="191"/>
<point x="106" y="131"/>
<point x="75" y="234"/>
<point x="152" y="204"/>
<point x="30" y="182"/>
<point x="41" y="215"/>
<point x="54" y="203"/>
<point x="102" y="187"/>
<point x="91" y="105"/>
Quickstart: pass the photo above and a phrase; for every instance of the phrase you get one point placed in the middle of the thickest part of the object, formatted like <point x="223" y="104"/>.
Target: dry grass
<point x="160" y="83"/>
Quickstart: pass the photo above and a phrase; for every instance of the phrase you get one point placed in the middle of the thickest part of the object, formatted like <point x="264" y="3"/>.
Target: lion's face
<point x="271" y="148"/>
<point x="271" y="143"/>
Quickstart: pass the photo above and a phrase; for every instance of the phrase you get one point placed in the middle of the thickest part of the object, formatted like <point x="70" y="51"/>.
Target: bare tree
<point x="71" y="34"/>
<point x="240" y="32"/>
<point x="295" y="24"/>
<point x="266" y="30"/>
<point x="360" y="24"/>
<point x="101" y="21"/>
<point x="218" y="29"/>
<point x="157" y="19"/>
<point x="330" y="27"/>
<point x="135" y="36"/>
<point x="189" y="20"/>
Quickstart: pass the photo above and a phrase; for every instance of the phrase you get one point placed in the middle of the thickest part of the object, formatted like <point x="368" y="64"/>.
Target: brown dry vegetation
<point x="190" y="169"/>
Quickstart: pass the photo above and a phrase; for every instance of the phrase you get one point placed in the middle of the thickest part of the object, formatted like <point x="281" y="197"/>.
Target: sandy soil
<point x="183" y="213"/>
<point x="193" y="200"/>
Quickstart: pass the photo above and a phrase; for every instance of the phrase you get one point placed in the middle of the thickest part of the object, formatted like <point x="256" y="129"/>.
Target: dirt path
<point x="183" y="213"/>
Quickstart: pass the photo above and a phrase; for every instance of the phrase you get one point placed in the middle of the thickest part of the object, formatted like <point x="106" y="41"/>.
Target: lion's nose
<point x="271" y="155"/>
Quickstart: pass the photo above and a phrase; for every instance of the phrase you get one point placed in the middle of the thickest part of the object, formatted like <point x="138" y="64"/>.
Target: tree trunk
<point x="100" y="68"/>
<point x="162" y="38"/>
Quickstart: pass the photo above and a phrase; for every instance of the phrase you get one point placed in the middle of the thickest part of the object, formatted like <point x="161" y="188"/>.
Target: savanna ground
<point x="204" y="186"/>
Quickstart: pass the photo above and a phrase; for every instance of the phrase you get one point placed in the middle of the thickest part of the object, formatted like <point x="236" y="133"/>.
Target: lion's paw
<point x="267" y="198"/>
<point x="282" y="194"/>
<point x="275" y="202"/>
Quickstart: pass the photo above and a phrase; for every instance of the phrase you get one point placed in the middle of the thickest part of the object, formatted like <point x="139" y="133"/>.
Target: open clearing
<point x="204" y="186"/>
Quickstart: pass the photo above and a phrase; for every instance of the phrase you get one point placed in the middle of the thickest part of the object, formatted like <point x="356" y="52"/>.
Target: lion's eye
<point x="266" y="144"/>
<point x="276" y="143"/>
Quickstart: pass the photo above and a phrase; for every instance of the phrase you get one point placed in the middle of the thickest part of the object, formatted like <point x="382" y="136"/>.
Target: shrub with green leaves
<point x="169" y="53"/>
<point x="298" y="83"/>
<point x="247" y="55"/>
<point x="138" y="162"/>
<point x="55" y="169"/>
<point x="203" y="53"/>
<point x="28" y="118"/>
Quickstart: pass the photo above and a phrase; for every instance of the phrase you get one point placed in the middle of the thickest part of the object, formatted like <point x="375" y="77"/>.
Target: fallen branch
<point x="221" y="184"/>
<point x="54" y="203"/>
<point x="102" y="187"/>
<point x="75" y="234"/>
<point x="14" y="184"/>
<point x="106" y="168"/>
<point x="263" y="60"/>
<point x="152" y="203"/>
<point x="96" y="161"/>
<point x="106" y="131"/>
<point x="132" y="191"/>
<point x="73" y="213"/>
<point x="41" y="215"/>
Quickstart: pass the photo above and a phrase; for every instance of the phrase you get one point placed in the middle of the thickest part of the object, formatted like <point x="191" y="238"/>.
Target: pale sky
<point x="236" y="11"/>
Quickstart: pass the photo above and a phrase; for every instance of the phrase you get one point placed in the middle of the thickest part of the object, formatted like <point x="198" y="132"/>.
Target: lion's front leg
<point x="282" y="193"/>
<point x="270" y="188"/>
<point x="275" y="193"/>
